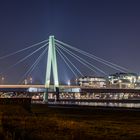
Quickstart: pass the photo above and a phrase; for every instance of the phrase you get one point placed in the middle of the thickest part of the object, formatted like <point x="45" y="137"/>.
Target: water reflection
<point x="104" y="104"/>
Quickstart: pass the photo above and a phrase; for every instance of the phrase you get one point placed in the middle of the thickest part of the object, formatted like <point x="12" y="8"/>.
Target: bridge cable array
<point x="82" y="61"/>
<point x="105" y="62"/>
<point x="33" y="66"/>
<point x="75" y="53"/>
<point x="23" y="59"/>
<point x="65" y="51"/>
<point x="63" y="56"/>
<point x="45" y="45"/>
<point x="19" y="51"/>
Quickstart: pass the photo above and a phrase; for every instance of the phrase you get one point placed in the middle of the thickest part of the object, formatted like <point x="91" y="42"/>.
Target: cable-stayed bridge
<point x="52" y="48"/>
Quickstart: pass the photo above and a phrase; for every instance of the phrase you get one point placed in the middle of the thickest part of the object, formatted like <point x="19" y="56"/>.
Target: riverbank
<point x="69" y="123"/>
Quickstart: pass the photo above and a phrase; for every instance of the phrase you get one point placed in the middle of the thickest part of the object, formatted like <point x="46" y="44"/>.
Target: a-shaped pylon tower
<point x="51" y="63"/>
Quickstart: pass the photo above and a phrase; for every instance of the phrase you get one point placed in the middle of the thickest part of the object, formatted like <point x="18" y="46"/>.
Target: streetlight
<point x="2" y="80"/>
<point x="69" y="83"/>
<point x="120" y="83"/>
<point x="31" y="80"/>
<point x="25" y="81"/>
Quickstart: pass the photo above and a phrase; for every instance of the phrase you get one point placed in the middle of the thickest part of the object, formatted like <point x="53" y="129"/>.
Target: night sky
<point x="110" y="29"/>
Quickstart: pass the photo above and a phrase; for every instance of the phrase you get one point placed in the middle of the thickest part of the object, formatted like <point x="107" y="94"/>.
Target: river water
<point x="101" y="104"/>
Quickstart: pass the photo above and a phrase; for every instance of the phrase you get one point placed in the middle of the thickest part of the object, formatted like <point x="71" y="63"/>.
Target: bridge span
<point x="35" y="86"/>
<point x="64" y="88"/>
<point x="68" y="93"/>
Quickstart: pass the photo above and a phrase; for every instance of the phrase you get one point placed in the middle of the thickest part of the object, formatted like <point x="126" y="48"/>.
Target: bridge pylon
<point x="51" y="63"/>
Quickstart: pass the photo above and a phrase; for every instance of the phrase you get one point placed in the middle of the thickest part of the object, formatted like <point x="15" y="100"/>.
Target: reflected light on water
<point x="105" y="104"/>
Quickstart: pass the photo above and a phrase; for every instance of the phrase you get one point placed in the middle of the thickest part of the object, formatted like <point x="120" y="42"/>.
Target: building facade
<point x="92" y="81"/>
<point x="123" y="80"/>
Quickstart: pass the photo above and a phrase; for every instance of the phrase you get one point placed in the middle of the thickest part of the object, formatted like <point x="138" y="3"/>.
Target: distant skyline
<point x="109" y="29"/>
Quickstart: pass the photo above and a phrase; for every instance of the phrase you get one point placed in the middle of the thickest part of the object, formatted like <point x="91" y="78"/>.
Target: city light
<point x="69" y="83"/>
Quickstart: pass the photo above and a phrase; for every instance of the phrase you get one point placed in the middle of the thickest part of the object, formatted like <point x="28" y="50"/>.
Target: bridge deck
<point x="36" y="86"/>
<point x="24" y="88"/>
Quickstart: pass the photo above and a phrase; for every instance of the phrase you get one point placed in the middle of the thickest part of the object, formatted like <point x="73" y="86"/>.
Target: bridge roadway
<point x="25" y="88"/>
<point x="65" y="88"/>
<point x="35" y="86"/>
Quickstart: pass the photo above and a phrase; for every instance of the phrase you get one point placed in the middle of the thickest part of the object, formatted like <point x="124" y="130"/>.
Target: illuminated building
<point x="123" y="80"/>
<point x="92" y="81"/>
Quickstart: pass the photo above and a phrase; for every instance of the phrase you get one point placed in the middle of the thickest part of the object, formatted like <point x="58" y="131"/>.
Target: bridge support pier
<point x="45" y="97"/>
<point x="57" y="93"/>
